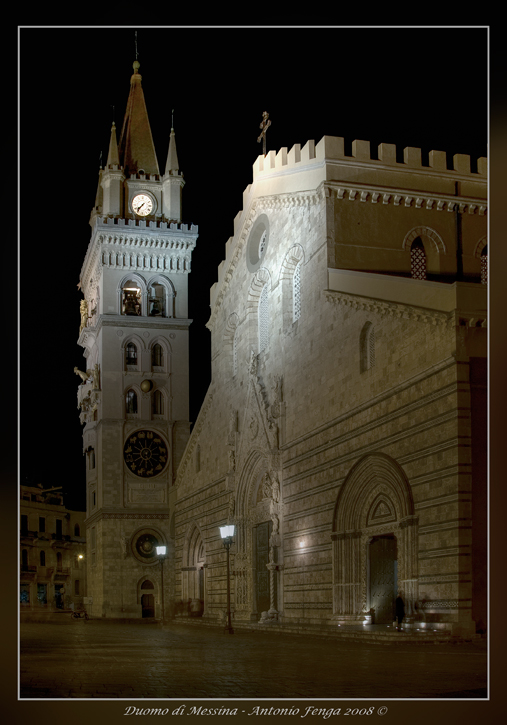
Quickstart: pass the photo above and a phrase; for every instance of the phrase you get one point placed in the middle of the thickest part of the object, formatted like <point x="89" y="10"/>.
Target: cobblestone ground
<point x="112" y="660"/>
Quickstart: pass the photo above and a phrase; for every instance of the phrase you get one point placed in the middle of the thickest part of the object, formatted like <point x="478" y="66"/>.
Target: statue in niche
<point x="96" y="381"/>
<point x="271" y="487"/>
<point x="266" y="486"/>
<point x="276" y="523"/>
<point x="252" y="364"/>
<point x="83" y="308"/>
<point x="277" y="395"/>
<point x="232" y="506"/>
<point x="232" y="460"/>
<point x="124" y="546"/>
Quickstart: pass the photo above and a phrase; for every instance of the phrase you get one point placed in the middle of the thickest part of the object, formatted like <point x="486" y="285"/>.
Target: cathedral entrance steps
<point x="373" y="633"/>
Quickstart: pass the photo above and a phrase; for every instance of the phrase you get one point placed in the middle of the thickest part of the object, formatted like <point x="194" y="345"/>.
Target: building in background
<point x="344" y="429"/>
<point x="52" y="552"/>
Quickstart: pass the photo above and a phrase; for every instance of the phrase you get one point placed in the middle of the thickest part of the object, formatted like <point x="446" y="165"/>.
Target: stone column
<point x="273" y="612"/>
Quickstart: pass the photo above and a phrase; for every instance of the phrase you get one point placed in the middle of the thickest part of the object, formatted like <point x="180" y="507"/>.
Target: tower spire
<point x="172" y="165"/>
<point x="136" y="148"/>
<point x="113" y="157"/>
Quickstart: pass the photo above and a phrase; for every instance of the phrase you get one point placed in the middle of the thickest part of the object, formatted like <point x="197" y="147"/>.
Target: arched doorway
<point x="374" y="541"/>
<point x="193" y="573"/>
<point x="147" y="599"/>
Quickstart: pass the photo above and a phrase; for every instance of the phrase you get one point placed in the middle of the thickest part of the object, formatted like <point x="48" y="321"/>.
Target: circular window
<point x="257" y="243"/>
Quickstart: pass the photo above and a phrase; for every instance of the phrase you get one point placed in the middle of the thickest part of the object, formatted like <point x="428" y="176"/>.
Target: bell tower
<point x="133" y="395"/>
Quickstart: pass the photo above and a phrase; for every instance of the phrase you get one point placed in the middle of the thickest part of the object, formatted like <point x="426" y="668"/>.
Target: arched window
<point x="131" y="354"/>
<point x="263" y="319"/>
<point x="417" y="259"/>
<point x="42" y="558"/>
<point x="157" y="300"/>
<point x="484" y="265"/>
<point x="367" y="347"/>
<point x="157" y="355"/>
<point x="290" y="280"/>
<point x="158" y="403"/>
<point x="131" y="401"/>
<point x="77" y="530"/>
<point x="130" y="299"/>
<point x="147" y="584"/>
<point x="90" y="453"/>
<point x="24" y="558"/>
<point x="296" y="293"/>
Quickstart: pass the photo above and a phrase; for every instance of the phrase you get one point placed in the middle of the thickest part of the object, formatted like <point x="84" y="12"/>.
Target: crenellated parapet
<point x="316" y="174"/>
<point x="332" y="149"/>
<point x="144" y="224"/>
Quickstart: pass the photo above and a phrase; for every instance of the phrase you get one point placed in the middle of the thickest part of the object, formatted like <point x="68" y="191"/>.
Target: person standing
<point x="400" y="611"/>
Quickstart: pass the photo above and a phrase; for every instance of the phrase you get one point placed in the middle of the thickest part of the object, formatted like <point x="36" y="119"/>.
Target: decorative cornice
<point x="402" y="197"/>
<point x="154" y="323"/>
<point x="168" y="240"/>
<point x="391" y="309"/>
<point x="99" y="515"/>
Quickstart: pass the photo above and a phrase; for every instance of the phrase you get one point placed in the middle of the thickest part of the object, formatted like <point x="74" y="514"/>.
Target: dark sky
<point x="420" y="87"/>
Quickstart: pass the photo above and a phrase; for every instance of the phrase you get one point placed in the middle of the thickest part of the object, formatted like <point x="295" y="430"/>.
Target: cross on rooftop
<point x="264" y="126"/>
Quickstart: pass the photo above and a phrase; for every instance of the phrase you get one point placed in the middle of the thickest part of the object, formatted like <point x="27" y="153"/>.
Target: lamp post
<point x="227" y="532"/>
<point x="161" y="550"/>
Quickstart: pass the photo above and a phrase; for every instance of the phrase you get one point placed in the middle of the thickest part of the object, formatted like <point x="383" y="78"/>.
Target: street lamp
<point x="227" y="532"/>
<point x="161" y="551"/>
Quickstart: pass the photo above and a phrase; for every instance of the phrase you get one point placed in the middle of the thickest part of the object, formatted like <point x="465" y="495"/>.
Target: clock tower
<point x="133" y="396"/>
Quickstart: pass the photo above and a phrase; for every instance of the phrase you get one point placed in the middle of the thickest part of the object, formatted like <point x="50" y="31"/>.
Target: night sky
<point x="420" y="87"/>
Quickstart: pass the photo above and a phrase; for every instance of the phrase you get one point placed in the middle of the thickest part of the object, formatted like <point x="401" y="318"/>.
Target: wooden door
<point x="263" y="532"/>
<point x="383" y="570"/>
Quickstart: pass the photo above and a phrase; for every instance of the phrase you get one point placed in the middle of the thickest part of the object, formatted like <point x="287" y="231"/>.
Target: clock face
<point x="145" y="546"/>
<point x="142" y="204"/>
<point x="145" y="453"/>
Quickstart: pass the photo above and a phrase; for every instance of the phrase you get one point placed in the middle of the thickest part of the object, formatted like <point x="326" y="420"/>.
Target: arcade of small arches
<point x="138" y="298"/>
<point x="158" y="402"/>
<point x="159" y="355"/>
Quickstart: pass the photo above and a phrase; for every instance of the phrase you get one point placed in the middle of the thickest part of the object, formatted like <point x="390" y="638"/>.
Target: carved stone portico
<point x="374" y="501"/>
<point x="256" y="493"/>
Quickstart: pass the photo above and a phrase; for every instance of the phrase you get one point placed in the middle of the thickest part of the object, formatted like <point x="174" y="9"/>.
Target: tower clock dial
<point x="142" y="204"/>
<point x="145" y="453"/>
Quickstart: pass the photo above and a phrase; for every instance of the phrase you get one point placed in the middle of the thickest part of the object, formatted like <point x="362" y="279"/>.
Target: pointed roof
<point x="113" y="155"/>
<point x="136" y="148"/>
<point x="172" y="157"/>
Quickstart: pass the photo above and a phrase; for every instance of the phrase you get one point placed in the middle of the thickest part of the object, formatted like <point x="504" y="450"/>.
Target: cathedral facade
<point x="344" y="429"/>
<point x="343" y="432"/>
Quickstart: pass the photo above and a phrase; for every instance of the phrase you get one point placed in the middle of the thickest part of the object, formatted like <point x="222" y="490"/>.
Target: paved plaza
<point x="96" y="659"/>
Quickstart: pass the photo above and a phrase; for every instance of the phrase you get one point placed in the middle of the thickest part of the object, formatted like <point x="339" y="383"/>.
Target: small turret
<point x="112" y="179"/>
<point x="172" y="183"/>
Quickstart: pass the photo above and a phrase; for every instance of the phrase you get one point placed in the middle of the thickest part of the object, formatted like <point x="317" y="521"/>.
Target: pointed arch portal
<point x="374" y="541"/>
